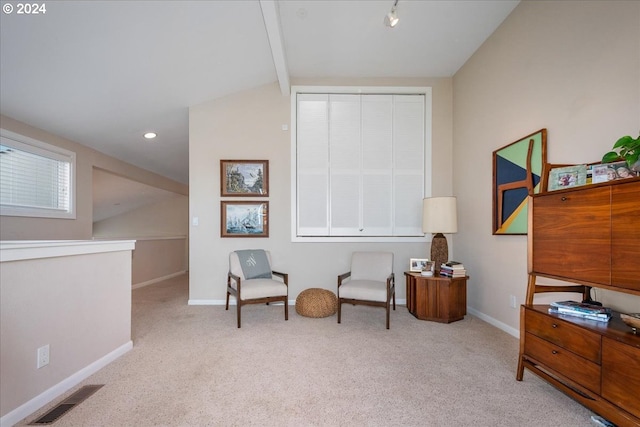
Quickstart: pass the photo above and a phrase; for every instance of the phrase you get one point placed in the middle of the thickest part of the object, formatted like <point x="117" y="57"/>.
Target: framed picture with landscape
<point x="244" y="219"/>
<point x="244" y="178"/>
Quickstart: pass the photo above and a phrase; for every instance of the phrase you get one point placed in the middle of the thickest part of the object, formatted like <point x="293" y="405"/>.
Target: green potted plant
<point x="626" y="148"/>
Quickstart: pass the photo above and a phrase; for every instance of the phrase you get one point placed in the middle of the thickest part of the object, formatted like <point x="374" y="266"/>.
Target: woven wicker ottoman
<point x="316" y="302"/>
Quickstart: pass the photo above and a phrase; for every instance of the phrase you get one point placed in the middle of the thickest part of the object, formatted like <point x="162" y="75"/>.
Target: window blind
<point x="35" y="181"/>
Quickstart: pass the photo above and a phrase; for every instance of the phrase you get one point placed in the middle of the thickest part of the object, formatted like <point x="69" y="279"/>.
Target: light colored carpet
<point x="191" y="366"/>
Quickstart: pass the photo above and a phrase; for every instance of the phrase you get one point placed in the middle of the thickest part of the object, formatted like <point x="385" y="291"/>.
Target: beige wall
<point x="77" y="302"/>
<point x="23" y="228"/>
<point x="168" y="217"/>
<point x="160" y="230"/>
<point x="248" y="125"/>
<point x="571" y="67"/>
<point x="156" y="259"/>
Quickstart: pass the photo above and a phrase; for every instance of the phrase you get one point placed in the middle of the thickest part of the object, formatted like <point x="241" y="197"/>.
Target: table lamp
<point x="439" y="215"/>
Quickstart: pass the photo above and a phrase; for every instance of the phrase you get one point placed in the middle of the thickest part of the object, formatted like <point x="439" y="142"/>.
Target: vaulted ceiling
<point x="102" y="73"/>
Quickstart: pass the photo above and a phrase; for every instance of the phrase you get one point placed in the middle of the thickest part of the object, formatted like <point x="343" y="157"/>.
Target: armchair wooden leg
<point x="339" y="310"/>
<point x="227" y="306"/>
<point x="239" y="308"/>
<point x="394" y="300"/>
<point x="388" y="309"/>
<point x="286" y="310"/>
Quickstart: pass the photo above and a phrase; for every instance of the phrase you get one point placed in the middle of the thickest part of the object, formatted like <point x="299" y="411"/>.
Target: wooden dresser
<point x="589" y="236"/>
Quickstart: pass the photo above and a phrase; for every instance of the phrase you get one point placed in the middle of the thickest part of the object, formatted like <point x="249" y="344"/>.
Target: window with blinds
<point x="36" y="179"/>
<point x="359" y="164"/>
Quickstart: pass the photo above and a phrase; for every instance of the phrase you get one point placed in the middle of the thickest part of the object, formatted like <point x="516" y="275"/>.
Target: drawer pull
<point x="554" y="352"/>
<point x="554" y="326"/>
<point x="564" y="199"/>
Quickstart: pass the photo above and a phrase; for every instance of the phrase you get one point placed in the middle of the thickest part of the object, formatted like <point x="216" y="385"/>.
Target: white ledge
<point x="14" y="250"/>
<point x="138" y="238"/>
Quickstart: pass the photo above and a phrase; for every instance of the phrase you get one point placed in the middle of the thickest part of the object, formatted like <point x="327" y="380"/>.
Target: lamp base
<point x="439" y="251"/>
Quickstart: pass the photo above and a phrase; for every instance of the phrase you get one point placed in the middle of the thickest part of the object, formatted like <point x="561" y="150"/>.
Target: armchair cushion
<point x="261" y="288"/>
<point x="374" y="266"/>
<point x="368" y="290"/>
<point x="250" y="264"/>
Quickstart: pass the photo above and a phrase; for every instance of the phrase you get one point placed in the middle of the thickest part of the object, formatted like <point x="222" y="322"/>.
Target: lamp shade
<point x="439" y="215"/>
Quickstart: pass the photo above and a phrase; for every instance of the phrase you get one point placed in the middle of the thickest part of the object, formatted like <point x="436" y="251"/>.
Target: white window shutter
<point x="377" y="165"/>
<point x="409" y="160"/>
<point x="312" y="152"/>
<point x="360" y="165"/>
<point x="345" y="168"/>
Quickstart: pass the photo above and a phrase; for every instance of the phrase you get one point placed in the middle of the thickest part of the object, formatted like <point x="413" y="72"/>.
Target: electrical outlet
<point x="512" y="301"/>
<point x="43" y="356"/>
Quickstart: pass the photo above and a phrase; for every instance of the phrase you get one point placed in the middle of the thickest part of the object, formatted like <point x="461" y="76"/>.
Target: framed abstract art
<point x="517" y="172"/>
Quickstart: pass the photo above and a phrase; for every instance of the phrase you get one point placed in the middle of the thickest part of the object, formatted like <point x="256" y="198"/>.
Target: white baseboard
<point x="209" y="302"/>
<point x="498" y="324"/>
<point x="63" y="386"/>
<point x="232" y="301"/>
<point x="158" y="279"/>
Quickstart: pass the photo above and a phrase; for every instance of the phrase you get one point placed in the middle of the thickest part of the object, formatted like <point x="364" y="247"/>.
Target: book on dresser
<point x="600" y="317"/>
<point x="452" y="269"/>
<point x="453" y="264"/>
<point x="581" y="307"/>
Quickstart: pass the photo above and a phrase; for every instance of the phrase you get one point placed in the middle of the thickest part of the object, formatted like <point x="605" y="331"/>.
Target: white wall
<point x="248" y="125"/>
<point x="571" y="67"/>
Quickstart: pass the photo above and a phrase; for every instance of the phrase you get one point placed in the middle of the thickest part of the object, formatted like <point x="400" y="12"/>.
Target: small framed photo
<point x="417" y="264"/>
<point x="244" y="219"/>
<point x="244" y="178"/>
<point x="611" y="171"/>
<point x="568" y="176"/>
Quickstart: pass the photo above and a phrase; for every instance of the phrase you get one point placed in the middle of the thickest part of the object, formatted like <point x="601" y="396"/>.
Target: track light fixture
<point x="391" y="19"/>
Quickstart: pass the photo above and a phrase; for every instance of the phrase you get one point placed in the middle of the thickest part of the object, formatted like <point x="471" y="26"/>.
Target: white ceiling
<point x="101" y="73"/>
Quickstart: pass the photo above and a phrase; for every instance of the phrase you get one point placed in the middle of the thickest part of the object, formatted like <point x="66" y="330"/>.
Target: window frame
<point x="386" y="90"/>
<point x="43" y="149"/>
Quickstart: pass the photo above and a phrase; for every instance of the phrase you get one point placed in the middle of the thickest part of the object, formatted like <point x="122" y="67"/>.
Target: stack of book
<point x="452" y="269"/>
<point x="581" y="309"/>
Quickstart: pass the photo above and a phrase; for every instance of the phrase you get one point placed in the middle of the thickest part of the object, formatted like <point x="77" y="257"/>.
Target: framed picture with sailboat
<point x="244" y="219"/>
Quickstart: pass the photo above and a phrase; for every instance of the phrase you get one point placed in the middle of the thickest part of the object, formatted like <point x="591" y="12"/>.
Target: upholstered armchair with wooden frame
<point x="369" y="282"/>
<point x="252" y="281"/>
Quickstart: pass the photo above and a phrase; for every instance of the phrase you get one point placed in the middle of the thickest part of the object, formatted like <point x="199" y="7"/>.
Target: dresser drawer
<point x="563" y="334"/>
<point x="564" y="362"/>
<point x="621" y="375"/>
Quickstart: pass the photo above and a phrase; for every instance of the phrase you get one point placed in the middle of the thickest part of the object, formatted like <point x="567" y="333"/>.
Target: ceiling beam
<point x="274" y="32"/>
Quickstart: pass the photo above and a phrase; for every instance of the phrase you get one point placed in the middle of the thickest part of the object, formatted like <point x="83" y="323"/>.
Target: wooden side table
<point x="437" y="298"/>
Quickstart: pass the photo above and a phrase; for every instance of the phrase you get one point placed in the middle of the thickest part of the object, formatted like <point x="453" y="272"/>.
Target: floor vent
<point x="66" y="405"/>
